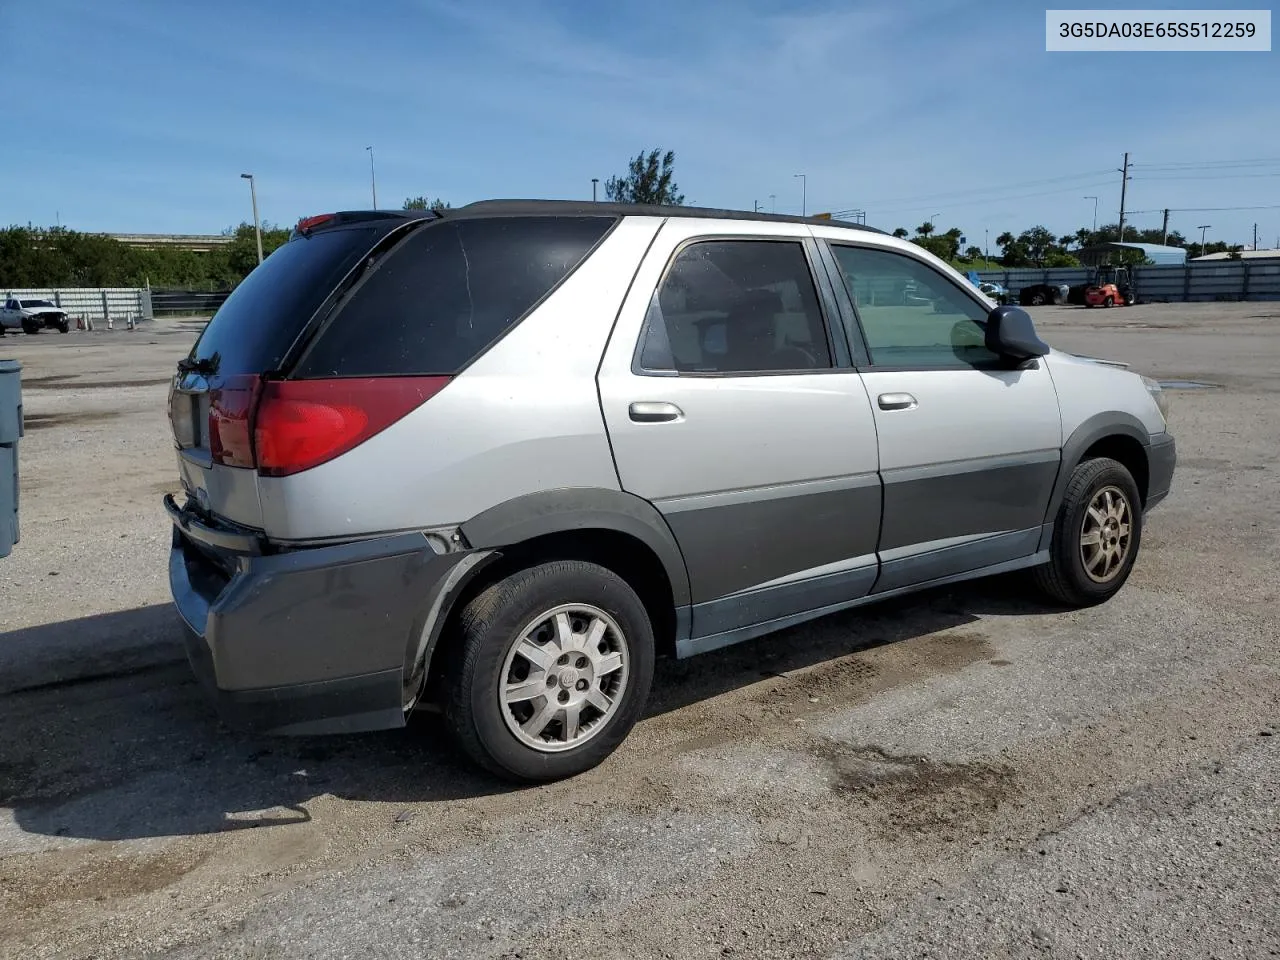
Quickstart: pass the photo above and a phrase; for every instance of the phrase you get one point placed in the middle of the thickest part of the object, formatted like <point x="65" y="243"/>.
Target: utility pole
<point x="1202" y="228"/>
<point x="1124" y="182"/>
<point x="1255" y="236"/>
<point x="1095" y="211"/>
<point x="755" y="206"/>
<point x="594" y="181"/>
<point x="804" y="194"/>
<point x="773" y="203"/>
<point x="1164" y="229"/>
<point x="373" y="178"/>
<point x="257" y="224"/>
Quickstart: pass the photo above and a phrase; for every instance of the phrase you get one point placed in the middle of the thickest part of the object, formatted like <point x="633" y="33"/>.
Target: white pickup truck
<point x="32" y="315"/>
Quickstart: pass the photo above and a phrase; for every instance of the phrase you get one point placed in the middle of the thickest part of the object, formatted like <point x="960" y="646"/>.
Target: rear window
<point x="448" y="292"/>
<point x="254" y="328"/>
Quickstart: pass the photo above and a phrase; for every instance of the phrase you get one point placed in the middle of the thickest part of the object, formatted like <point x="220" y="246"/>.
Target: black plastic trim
<point x="578" y="208"/>
<point x="1089" y="432"/>
<point x="581" y="508"/>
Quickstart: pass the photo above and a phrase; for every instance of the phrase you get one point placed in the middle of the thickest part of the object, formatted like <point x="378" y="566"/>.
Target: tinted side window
<point x="912" y="315"/>
<point x="257" y="324"/>
<point x="736" y="306"/>
<point x="449" y="291"/>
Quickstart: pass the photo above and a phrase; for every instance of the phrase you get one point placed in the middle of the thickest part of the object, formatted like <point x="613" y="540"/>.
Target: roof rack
<point x="584" y="208"/>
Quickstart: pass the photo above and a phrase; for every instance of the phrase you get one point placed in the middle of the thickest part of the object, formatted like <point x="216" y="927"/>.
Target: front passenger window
<point x="736" y="307"/>
<point x="912" y="316"/>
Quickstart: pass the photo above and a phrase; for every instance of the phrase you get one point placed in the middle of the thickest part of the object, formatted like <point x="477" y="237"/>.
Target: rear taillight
<point x="303" y="423"/>
<point x="231" y="405"/>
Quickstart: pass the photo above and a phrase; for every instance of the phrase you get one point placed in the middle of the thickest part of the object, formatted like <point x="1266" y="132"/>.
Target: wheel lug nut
<point x="552" y="680"/>
<point x="582" y="662"/>
<point x="581" y="685"/>
<point x="564" y="696"/>
<point x="564" y="658"/>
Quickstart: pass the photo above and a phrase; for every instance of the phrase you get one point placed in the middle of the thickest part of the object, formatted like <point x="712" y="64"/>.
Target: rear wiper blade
<point x="205" y="365"/>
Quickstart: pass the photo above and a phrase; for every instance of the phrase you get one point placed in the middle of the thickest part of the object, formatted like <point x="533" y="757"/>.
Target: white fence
<point x="94" y="303"/>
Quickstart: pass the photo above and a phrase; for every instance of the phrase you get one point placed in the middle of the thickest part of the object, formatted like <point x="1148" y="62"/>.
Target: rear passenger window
<point x="447" y="292"/>
<point x="736" y="306"/>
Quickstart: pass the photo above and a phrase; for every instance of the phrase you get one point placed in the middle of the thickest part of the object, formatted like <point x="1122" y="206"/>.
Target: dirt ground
<point x="961" y="773"/>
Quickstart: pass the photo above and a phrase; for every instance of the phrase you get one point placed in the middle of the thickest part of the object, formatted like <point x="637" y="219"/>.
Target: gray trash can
<point x="10" y="433"/>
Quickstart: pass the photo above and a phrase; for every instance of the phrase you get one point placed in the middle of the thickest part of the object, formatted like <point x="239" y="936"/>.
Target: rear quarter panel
<point x="524" y="417"/>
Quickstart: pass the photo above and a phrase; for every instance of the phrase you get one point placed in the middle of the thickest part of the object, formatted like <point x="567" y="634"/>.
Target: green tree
<point x="650" y="179"/>
<point x="925" y="229"/>
<point x="901" y="233"/>
<point x="422" y="203"/>
<point x="972" y="253"/>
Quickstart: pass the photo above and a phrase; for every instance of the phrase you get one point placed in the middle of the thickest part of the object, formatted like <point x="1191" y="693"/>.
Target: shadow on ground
<point x="122" y="744"/>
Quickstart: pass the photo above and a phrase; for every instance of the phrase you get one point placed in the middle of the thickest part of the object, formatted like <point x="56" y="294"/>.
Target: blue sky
<point x="139" y="115"/>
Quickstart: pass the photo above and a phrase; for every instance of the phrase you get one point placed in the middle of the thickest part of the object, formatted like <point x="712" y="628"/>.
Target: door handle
<point x="897" y="401"/>
<point x="648" y="411"/>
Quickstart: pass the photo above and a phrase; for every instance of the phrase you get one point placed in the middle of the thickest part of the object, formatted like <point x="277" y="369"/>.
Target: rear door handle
<point x="649" y="411"/>
<point x="897" y="401"/>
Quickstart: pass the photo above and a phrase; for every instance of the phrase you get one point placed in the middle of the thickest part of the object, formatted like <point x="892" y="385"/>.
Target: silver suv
<point x="497" y="461"/>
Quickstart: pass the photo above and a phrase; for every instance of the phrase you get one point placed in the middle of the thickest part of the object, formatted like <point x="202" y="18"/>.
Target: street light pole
<point x="804" y="194"/>
<point x="594" y="181"/>
<point x="1202" y="228"/>
<point x="373" y="178"/>
<point x="1095" y="212"/>
<point x="257" y="226"/>
<point x="933" y="221"/>
<point x="773" y="203"/>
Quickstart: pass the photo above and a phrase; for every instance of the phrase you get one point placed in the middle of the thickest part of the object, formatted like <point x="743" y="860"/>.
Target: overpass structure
<point x="196" y="242"/>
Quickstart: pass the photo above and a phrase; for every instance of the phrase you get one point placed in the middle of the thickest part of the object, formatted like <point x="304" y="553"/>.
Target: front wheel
<point x="1037" y="299"/>
<point x="1109" y="302"/>
<point x="551" y="669"/>
<point x="31" y="328"/>
<point x="1096" y="535"/>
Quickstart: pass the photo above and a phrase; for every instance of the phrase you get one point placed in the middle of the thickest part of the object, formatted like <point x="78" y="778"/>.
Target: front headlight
<point x="1158" y="395"/>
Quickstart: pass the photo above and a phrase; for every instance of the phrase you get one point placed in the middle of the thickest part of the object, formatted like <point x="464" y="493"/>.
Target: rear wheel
<point x="1096" y="535"/>
<point x="1109" y="302"/>
<point x="551" y="670"/>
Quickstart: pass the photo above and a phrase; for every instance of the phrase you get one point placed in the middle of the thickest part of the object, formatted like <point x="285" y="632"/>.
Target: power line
<point x="1268" y="206"/>
<point x="995" y="188"/>
<point x="972" y="203"/>
<point x="1261" y="161"/>
<point x="1201" y="176"/>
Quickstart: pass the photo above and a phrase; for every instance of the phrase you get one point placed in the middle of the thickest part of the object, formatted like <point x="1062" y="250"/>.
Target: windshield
<point x="37" y="303"/>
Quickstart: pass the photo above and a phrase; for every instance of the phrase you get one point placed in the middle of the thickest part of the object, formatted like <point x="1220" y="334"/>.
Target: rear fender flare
<point x="524" y="518"/>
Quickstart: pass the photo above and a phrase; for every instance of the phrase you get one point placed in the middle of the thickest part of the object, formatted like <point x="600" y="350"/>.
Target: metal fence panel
<point x="1254" y="279"/>
<point x="94" y="303"/>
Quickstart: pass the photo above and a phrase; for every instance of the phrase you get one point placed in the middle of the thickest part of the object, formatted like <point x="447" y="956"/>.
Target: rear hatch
<point x="248" y="341"/>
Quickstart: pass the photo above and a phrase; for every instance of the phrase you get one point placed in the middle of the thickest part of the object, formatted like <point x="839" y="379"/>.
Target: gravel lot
<point x="963" y="773"/>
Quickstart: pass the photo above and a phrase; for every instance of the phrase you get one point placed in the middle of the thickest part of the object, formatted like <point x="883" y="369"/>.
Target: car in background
<point x="996" y="291"/>
<point x="1039" y="294"/>
<point x="33" y="315"/>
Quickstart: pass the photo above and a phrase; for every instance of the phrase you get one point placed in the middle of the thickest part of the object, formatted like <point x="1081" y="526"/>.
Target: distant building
<point x="1244" y="255"/>
<point x="1105" y="252"/>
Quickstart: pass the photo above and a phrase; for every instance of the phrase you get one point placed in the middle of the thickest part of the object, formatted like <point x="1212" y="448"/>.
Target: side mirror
<point x="1010" y="333"/>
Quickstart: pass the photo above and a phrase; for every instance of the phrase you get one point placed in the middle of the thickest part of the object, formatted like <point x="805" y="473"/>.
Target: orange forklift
<point x="1110" y="286"/>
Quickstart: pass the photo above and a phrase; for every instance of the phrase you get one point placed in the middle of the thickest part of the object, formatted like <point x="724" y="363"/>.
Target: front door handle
<point x="649" y="411"/>
<point x="897" y="401"/>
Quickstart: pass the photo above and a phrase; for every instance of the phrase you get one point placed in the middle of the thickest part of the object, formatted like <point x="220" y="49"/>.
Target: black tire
<point x="483" y="636"/>
<point x="31" y="328"/>
<point x="1065" y="577"/>
<point x="1109" y="302"/>
<point x="63" y="326"/>
<point x="1037" y="299"/>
